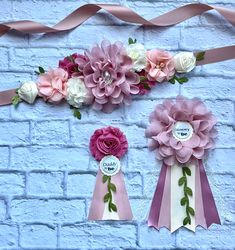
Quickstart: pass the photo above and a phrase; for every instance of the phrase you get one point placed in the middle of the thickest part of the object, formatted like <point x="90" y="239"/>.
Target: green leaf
<point x="143" y="78"/>
<point x="191" y="210"/>
<point x="181" y="181"/>
<point x="185" y="221"/>
<point x="107" y="197"/>
<point x="187" y="171"/>
<point x="183" y="201"/>
<point x="146" y="86"/>
<point x="172" y="80"/>
<point x="36" y="72"/>
<point x="113" y="207"/>
<point x="105" y="178"/>
<point x="16" y="100"/>
<point x="182" y="80"/>
<point x="112" y="187"/>
<point x="131" y="41"/>
<point x="77" y="114"/>
<point x="188" y="191"/>
<point x="41" y="70"/>
<point x="200" y="56"/>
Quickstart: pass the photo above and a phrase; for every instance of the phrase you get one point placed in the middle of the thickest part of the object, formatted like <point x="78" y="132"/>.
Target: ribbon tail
<point x="154" y="214"/>
<point x="121" y="198"/>
<point x="209" y="207"/>
<point x="97" y="203"/>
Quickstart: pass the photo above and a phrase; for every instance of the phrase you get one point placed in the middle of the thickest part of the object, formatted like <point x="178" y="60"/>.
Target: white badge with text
<point x="182" y="131"/>
<point x="110" y="165"/>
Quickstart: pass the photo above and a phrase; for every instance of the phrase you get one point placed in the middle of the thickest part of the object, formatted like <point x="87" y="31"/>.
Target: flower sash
<point x="183" y="196"/>
<point x="110" y="199"/>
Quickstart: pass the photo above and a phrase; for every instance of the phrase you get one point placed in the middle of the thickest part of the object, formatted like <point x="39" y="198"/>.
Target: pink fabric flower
<point x="109" y="76"/>
<point x="73" y="65"/>
<point x="108" y="141"/>
<point x="160" y="65"/>
<point x="52" y="85"/>
<point x="162" y="121"/>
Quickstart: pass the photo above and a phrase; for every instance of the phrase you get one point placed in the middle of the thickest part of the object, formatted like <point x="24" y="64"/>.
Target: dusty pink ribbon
<point x="84" y="12"/>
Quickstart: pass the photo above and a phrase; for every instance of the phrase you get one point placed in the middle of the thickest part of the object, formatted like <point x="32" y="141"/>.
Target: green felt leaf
<point x="187" y="171"/>
<point x="107" y="197"/>
<point x="188" y="191"/>
<point x="131" y="41"/>
<point x="182" y="80"/>
<point x="200" y="56"/>
<point x="105" y="178"/>
<point x="185" y="221"/>
<point x="41" y="70"/>
<point x="183" y="201"/>
<point x="172" y="80"/>
<point x="112" y="187"/>
<point x="113" y="207"/>
<point x="146" y="86"/>
<point x="143" y="78"/>
<point x="16" y="100"/>
<point x="191" y="210"/>
<point x="182" y="180"/>
<point x="77" y="114"/>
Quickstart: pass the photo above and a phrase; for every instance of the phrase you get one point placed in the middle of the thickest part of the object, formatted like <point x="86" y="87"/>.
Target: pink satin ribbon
<point x="205" y="209"/>
<point x="80" y="15"/>
<point x="121" y="198"/>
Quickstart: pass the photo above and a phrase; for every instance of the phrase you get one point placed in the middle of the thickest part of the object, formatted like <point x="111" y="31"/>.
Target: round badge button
<point x="182" y="131"/>
<point x="110" y="165"/>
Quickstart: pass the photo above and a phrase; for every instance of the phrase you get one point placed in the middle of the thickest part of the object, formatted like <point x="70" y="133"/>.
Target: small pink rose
<point x="108" y="141"/>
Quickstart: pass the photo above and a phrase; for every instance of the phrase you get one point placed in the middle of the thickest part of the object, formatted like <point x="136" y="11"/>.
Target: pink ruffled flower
<point x="108" y="141"/>
<point x="73" y="65"/>
<point x="160" y="65"/>
<point x="162" y="121"/>
<point x="52" y="85"/>
<point x="109" y="76"/>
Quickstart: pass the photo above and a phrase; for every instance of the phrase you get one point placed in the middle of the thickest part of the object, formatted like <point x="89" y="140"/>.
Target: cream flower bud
<point x="77" y="94"/>
<point x="184" y="62"/>
<point x="137" y="53"/>
<point x="28" y="91"/>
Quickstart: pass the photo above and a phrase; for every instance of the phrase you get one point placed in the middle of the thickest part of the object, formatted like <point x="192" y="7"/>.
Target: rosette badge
<point x="181" y="132"/>
<point x="110" y="199"/>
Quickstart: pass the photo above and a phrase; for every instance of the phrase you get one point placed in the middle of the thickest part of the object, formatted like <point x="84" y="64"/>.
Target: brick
<point x="133" y="181"/>
<point x="218" y="236"/>
<point x="49" y="158"/>
<point x="4" y="156"/>
<point x="140" y="208"/>
<point x="2" y="210"/>
<point x="14" y="133"/>
<point x="149" y="237"/>
<point x="226" y="136"/>
<point x="38" y="236"/>
<point x="137" y="160"/>
<point x="80" y="184"/>
<point x="97" y="236"/>
<point x="8" y="236"/>
<point x="4" y="58"/>
<point x="47" y="211"/>
<point x="149" y="183"/>
<point x="45" y="183"/>
<point x="54" y="132"/>
<point x="11" y="183"/>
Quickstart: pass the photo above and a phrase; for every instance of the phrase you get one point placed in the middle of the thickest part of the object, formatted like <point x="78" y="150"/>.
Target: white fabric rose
<point x="137" y="53"/>
<point x="28" y="91"/>
<point x="184" y="62"/>
<point x="77" y="93"/>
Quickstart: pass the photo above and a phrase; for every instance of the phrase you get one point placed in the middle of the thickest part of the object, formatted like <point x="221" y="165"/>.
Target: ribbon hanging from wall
<point x="182" y="132"/>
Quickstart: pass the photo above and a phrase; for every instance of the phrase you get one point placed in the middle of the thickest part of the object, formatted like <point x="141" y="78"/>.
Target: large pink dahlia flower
<point x="109" y="76"/>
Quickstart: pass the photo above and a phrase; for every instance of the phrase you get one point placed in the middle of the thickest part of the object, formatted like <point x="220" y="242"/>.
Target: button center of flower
<point x="107" y="77"/>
